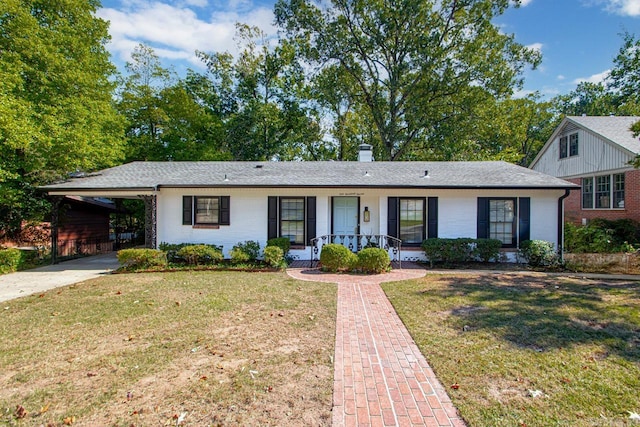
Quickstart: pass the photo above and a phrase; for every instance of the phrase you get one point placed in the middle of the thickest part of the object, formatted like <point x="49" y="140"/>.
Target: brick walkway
<point x="380" y="376"/>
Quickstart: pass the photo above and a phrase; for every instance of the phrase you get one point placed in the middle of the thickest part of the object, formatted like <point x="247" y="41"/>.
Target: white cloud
<point x="523" y="3"/>
<point x="560" y="77"/>
<point x="622" y="7"/>
<point x="175" y="32"/>
<point x="595" y="78"/>
<point x="535" y="46"/>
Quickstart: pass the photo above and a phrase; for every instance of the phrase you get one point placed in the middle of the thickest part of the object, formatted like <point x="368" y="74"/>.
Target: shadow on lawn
<point x="547" y="313"/>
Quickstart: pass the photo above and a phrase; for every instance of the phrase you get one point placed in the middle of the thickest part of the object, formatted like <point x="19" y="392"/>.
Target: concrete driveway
<point x="23" y="283"/>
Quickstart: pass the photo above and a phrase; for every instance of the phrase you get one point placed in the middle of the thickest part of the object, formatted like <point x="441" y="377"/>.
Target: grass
<point x="132" y="349"/>
<point x="501" y="338"/>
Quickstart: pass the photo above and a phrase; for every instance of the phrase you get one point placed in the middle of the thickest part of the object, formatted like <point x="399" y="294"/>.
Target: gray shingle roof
<point x="150" y="175"/>
<point x="613" y="128"/>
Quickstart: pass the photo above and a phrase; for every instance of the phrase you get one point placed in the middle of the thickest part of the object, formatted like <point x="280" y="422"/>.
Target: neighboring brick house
<point x="595" y="152"/>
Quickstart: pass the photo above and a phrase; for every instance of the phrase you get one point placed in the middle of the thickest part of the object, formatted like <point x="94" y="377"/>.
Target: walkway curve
<point x="380" y="376"/>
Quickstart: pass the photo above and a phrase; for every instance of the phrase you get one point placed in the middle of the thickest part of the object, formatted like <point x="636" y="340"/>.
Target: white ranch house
<point x="313" y="203"/>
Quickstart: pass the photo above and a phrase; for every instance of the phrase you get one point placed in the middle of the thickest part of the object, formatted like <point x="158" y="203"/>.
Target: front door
<point x="345" y="215"/>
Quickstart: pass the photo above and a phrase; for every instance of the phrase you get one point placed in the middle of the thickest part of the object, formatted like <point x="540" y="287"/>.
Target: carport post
<point x="55" y="217"/>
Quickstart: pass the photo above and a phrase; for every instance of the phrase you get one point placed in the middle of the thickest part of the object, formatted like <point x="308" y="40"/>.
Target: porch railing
<point x="357" y="242"/>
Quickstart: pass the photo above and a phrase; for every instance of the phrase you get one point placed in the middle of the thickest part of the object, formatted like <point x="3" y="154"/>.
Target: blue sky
<point x="578" y="38"/>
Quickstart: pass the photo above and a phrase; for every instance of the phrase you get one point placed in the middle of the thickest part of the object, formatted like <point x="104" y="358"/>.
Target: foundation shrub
<point x="200" y="254"/>
<point x="539" y="253"/>
<point x="487" y="249"/>
<point x="274" y="256"/>
<point x="247" y="251"/>
<point x="449" y="250"/>
<point x="602" y="236"/>
<point x="280" y="242"/>
<point x="335" y="257"/>
<point x="134" y="259"/>
<point x="172" y="250"/>
<point x="373" y="260"/>
<point x="10" y="260"/>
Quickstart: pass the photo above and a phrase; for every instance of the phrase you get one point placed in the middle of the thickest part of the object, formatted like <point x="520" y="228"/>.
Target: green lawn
<point x="206" y="348"/>
<point x="504" y="338"/>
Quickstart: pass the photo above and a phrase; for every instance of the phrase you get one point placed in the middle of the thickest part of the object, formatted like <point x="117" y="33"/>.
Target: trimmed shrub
<point x="539" y="253"/>
<point x="274" y="256"/>
<point x="247" y="251"/>
<point x="449" y="250"/>
<point x="487" y="249"/>
<point x="373" y="260"/>
<point x="172" y="250"/>
<point x="335" y="257"/>
<point x="280" y="242"/>
<point x="200" y="254"/>
<point x="133" y="259"/>
<point x="10" y="260"/>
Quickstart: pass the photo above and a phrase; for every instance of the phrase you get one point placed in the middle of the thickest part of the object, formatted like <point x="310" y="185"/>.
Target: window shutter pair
<point x="224" y="217"/>
<point x="393" y="222"/>
<point x="310" y="218"/>
<point x="524" y="218"/>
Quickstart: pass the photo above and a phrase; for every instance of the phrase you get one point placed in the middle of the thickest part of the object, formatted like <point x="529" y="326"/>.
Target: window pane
<point x="603" y="188"/>
<point x="412" y="221"/>
<point x="563" y="147"/>
<point x="587" y="193"/>
<point x="618" y="190"/>
<point x="573" y="144"/>
<point x="207" y="209"/>
<point x="501" y="221"/>
<point x="292" y="219"/>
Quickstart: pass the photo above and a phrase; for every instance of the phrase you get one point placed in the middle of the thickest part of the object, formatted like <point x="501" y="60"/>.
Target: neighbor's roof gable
<point x="613" y="129"/>
<point x="153" y="175"/>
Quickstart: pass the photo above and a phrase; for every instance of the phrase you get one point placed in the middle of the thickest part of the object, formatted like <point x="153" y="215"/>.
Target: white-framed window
<point x="603" y="191"/>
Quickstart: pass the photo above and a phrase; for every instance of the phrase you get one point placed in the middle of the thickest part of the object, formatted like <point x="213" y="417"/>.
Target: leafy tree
<point x="592" y="99"/>
<point x="625" y="75"/>
<point x="168" y="118"/>
<point x="56" y="111"/>
<point x="259" y="97"/>
<point x="410" y="64"/>
<point x="141" y="103"/>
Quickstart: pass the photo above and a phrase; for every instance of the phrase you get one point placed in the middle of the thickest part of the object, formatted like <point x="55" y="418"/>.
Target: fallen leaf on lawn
<point x="203" y="378"/>
<point x="20" y="411"/>
<point x="178" y="303"/>
<point x="566" y="380"/>
<point x="181" y="418"/>
<point x="455" y="386"/>
<point x="44" y="409"/>
<point x="69" y="420"/>
<point x="119" y="293"/>
<point x="41" y="295"/>
<point x="535" y="393"/>
<point x="130" y="338"/>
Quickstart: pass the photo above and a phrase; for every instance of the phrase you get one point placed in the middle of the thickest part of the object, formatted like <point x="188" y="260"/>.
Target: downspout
<point x="561" y="223"/>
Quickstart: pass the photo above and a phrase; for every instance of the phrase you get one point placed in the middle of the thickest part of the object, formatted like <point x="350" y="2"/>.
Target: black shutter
<point x="225" y="210"/>
<point x="524" y="216"/>
<point x="311" y="219"/>
<point x="392" y="216"/>
<point x="432" y="218"/>
<point x="187" y="210"/>
<point x="483" y="218"/>
<point x="272" y="220"/>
